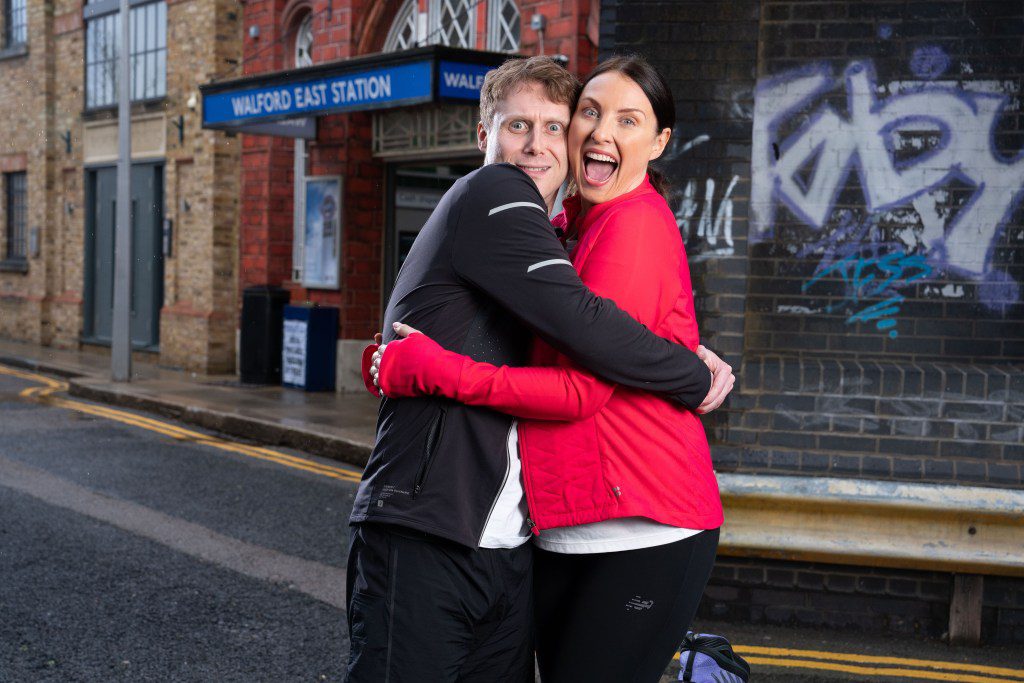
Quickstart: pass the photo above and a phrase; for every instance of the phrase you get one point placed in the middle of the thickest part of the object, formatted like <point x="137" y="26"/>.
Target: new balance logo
<point x="638" y="603"/>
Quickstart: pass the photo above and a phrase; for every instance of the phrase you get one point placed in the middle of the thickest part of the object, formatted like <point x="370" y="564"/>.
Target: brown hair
<point x="640" y="71"/>
<point x="560" y="85"/>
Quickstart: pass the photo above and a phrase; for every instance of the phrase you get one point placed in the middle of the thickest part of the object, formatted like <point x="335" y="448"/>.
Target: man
<point x="439" y="578"/>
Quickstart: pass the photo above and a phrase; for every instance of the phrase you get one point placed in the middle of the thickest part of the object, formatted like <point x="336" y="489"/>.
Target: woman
<point x="619" y="482"/>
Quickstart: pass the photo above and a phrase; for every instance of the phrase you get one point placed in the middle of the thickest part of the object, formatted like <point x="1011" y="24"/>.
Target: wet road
<point x="130" y="554"/>
<point x="137" y="549"/>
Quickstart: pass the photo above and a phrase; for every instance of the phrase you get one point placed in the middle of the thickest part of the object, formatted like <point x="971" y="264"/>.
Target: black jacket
<point x="484" y="274"/>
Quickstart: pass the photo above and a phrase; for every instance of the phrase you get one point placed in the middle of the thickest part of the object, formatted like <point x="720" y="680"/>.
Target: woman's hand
<point x="402" y="330"/>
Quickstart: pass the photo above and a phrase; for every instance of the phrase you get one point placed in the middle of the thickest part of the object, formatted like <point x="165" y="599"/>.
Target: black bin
<point x="260" y="345"/>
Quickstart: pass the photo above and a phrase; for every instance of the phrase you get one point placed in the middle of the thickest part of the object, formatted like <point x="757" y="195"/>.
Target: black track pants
<point x="422" y="609"/>
<point x="617" y="617"/>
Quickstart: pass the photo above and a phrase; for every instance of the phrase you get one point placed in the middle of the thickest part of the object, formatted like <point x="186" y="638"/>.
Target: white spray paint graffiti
<point x="908" y="142"/>
<point x="709" y="225"/>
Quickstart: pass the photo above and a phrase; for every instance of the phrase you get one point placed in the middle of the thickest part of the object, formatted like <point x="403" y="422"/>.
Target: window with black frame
<point x="148" y="30"/>
<point x="15" y="23"/>
<point x="15" y="185"/>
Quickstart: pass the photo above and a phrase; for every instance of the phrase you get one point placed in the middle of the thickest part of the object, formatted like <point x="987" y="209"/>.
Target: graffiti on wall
<point x="867" y="268"/>
<point x="926" y="164"/>
<point x="699" y="221"/>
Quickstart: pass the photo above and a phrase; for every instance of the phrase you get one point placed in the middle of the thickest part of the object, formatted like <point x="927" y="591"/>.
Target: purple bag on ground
<point x="707" y="658"/>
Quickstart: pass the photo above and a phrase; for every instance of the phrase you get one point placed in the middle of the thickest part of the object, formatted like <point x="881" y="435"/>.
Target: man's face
<point x="529" y="130"/>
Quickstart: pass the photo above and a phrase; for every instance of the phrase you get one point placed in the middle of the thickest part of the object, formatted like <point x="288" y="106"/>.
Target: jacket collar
<point x="572" y="208"/>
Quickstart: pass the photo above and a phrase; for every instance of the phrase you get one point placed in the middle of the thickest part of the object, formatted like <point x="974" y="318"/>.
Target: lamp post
<point x="121" y="334"/>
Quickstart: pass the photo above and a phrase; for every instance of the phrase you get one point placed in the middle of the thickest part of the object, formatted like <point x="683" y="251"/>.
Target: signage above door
<point x="373" y="82"/>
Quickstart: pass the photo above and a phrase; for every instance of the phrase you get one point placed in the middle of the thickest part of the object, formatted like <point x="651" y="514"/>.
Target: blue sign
<point x="462" y="81"/>
<point x="370" y="89"/>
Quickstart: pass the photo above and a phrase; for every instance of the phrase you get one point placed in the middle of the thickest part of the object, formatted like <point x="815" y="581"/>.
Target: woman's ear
<point x="660" y="141"/>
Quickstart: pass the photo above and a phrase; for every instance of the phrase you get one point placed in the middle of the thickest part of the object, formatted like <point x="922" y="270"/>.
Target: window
<point x="15" y="23"/>
<point x="15" y="184"/>
<point x="148" y="51"/>
<point x="503" y="26"/>
<point x="402" y="35"/>
<point x="304" y="43"/>
<point x="453" y="22"/>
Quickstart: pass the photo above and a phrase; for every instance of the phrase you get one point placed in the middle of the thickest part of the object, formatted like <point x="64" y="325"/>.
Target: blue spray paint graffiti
<point x="869" y="269"/>
<point x="929" y="62"/>
<point x="923" y="147"/>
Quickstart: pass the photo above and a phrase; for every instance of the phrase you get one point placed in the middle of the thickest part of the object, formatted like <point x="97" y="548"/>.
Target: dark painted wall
<point x="848" y="180"/>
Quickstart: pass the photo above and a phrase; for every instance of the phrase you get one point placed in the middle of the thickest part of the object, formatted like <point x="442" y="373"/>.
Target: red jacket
<point x="592" y="450"/>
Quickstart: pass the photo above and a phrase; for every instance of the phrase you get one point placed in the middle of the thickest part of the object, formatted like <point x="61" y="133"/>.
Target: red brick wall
<point x="343" y="29"/>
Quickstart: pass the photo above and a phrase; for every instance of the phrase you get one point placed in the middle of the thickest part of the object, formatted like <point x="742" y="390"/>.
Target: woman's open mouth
<point x="598" y="168"/>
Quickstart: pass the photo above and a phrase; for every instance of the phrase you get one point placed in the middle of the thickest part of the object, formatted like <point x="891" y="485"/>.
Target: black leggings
<point x="618" y="616"/>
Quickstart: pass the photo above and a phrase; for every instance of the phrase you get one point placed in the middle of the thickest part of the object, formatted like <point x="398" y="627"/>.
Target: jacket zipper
<point x="527" y="490"/>
<point x="501" y="487"/>
<point x="433" y="437"/>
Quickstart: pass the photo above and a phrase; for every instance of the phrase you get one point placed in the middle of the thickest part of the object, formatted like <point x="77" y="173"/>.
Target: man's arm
<point x="506" y="247"/>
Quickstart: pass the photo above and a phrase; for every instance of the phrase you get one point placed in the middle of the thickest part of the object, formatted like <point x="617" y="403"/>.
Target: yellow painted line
<point x="48" y="381"/>
<point x="875" y="659"/>
<point x="181" y="434"/>
<point x="875" y="671"/>
<point x="43" y="394"/>
<point x="803" y="659"/>
<point x="795" y="658"/>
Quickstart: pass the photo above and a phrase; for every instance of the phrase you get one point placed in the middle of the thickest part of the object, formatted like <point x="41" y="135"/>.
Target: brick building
<point x="58" y="158"/>
<point x="848" y="181"/>
<point x="385" y="162"/>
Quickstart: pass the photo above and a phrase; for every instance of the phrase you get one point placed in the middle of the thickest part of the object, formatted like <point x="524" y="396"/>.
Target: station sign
<point x="370" y="83"/>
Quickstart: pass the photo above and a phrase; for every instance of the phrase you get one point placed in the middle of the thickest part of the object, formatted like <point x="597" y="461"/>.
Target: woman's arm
<point x="417" y="366"/>
<point x="633" y="261"/>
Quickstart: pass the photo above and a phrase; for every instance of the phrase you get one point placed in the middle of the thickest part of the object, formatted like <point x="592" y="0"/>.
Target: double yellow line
<point x="872" y="666"/>
<point x="45" y="394"/>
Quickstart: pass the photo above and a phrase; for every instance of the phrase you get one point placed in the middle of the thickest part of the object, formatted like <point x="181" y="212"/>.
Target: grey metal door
<point x="147" y="261"/>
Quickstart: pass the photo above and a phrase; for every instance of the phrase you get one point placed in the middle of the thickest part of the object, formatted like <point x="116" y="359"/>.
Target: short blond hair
<point x="560" y="85"/>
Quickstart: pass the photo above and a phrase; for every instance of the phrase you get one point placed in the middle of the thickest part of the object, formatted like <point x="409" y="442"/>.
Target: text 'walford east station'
<point x="398" y="79"/>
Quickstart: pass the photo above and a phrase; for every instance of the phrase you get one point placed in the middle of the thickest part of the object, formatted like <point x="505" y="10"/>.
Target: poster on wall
<point x="322" y="232"/>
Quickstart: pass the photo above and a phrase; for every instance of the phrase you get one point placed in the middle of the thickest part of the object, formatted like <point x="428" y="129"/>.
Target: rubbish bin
<point x="310" y="347"/>
<point x="259" y="354"/>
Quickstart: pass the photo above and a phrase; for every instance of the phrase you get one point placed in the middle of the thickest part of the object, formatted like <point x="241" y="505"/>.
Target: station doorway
<point x="414" y="189"/>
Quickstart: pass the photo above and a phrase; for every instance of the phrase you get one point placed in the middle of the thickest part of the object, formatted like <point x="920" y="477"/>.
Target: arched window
<point x="503" y="26"/>
<point x="453" y="22"/>
<point x="402" y="35"/>
<point x="303" y="55"/>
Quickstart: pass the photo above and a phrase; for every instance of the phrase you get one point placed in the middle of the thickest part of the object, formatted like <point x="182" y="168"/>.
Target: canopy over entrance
<point x="277" y="103"/>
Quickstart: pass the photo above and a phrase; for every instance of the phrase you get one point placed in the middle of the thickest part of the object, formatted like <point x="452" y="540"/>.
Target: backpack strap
<point x="688" y="670"/>
<point x="720" y="650"/>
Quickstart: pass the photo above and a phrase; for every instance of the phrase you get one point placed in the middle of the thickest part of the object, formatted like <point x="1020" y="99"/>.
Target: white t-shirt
<point x="506" y="525"/>
<point x="611" y="535"/>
